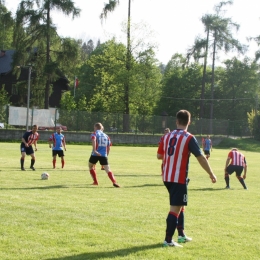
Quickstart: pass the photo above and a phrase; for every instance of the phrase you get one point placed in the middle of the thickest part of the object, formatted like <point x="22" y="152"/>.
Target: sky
<point x="171" y="25"/>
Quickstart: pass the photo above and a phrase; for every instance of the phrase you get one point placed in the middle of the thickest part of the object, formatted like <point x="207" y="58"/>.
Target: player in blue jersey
<point x="29" y="138"/>
<point x="207" y="147"/>
<point x="100" y="149"/>
<point x="57" y="143"/>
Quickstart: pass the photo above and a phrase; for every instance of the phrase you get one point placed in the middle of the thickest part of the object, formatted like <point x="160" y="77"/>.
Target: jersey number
<point x="102" y="141"/>
<point x="171" y="147"/>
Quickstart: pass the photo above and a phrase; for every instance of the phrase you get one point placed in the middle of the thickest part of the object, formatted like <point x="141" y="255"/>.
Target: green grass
<point x="67" y="218"/>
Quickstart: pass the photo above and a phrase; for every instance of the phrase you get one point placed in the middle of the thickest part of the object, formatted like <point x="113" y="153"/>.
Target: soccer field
<point x="66" y="218"/>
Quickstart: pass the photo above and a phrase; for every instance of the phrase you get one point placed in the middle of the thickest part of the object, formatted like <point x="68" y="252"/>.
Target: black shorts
<point x="235" y="168"/>
<point x="101" y="159"/>
<point x="206" y="152"/>
<point x="59" y="152"/>
<point x="28" y="150"/>
<point x="177" y="193"/>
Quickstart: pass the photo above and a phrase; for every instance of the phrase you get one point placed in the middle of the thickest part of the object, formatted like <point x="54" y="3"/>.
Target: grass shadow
<point x="106" y="254"/>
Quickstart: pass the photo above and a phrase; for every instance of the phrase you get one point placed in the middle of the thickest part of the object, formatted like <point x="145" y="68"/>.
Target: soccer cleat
<point x="95" y="183"/>
<point x="116" y="185"/>
<point x="32" y="168"/>
<point x="23" y="169"/>
<point x="184" y="239"/>
<point x="172" y="243"/>
<point x="227" y="187"/>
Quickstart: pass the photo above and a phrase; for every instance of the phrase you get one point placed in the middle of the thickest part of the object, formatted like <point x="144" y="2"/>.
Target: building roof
<point x="6" y="59"/>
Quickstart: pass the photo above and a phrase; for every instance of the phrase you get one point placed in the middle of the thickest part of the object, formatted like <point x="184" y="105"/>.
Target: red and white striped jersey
<point x="30" y="137"/>
<point x="176" y="148"/>
<point x="237" y="158"/>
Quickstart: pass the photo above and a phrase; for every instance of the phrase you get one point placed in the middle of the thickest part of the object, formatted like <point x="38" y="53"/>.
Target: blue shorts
<point x="177" y="193"/>
<point x="101" y="159"/>
<point x="28" y="150"/>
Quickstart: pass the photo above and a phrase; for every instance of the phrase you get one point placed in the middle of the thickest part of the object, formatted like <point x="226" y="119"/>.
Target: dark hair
<point x="183" y="117"/>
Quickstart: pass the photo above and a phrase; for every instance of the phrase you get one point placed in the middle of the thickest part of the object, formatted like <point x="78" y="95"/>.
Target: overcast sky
<point x="174" y="24"/>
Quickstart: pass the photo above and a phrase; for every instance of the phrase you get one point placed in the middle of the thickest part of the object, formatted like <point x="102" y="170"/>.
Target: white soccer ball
<point x="45" y="176"/>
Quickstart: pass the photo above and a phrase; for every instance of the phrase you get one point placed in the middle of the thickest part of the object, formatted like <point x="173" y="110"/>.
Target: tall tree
<point x="7" y="23"/>
<point x="110" y="7"/>
<point x="36" y="15"/>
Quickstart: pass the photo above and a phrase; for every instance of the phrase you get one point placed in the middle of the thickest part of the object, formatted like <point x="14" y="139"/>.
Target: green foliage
<point x="4" y="100"/>
<point x="6" y="31"/>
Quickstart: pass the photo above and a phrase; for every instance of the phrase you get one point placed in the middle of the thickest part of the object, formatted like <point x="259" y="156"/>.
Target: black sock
<point x="227" y="179"/>
<point x="241" y="180"/>
<point x="22" y="163"/>
<point x="171" y="224"/>
<point x="32" y="162"/>
<point x="180" y="226"/>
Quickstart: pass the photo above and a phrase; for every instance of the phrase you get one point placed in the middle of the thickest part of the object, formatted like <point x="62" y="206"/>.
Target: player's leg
<point x="23" y="154"/>
<point x="176" y="194"/>
<point x="241" y="180"/>
<point x="61" y="155"/>
<point x="54" y="156"/>
<point x="229" y="170"/>
<point x="109" y="172"/>
<point x="32" y="161"/>
<point x="92" y="162"/>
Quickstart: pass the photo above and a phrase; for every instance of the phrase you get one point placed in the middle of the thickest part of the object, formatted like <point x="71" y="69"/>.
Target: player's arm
<point x="205" y="165"/>
<point x="35" y="145"/>
<point x="94" y="146"/>
<point x="160" y="151"/>
<point x="245" y="169"/>
<point x="195" y="150"/>
<point x="227" y="163"/>
<point x="23" y="140"/>
<point x="50" y="141"/>
<point x="64" y="143"/>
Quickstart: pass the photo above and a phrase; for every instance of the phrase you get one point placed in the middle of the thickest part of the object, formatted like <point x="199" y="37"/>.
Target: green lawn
<point x="67" y="218"/>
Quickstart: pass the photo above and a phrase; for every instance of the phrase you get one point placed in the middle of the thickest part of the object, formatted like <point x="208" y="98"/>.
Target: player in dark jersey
<point x="29" y="138"/>
<point x="100" y="150"/>
<point x="175" y="150"/>
<point x="57" y="142"/>
<point x="236" y="162"/>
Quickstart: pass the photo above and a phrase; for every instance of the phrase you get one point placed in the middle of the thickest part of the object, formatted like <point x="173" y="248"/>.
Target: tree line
<point x="118" y="78"/>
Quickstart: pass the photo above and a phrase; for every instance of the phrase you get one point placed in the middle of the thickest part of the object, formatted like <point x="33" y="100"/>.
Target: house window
<point x="14" y="90"/>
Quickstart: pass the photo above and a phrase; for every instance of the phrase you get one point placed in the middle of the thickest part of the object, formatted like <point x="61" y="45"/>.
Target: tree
<point x="110" y="7"/>
<point x="39" y="27"/>
<point x="6" y="31"/>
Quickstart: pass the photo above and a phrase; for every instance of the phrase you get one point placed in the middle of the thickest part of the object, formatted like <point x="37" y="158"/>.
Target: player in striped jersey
<point x="175" y="150"/>
<point x="29" y="138"/>
<point x="100" y="150"/>
<point x="236" y="162"/>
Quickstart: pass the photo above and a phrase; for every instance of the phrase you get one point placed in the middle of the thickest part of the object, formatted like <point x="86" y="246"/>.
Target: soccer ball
<point x="45" y="176"/>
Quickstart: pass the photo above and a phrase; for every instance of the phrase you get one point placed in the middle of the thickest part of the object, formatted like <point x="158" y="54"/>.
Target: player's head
<point x="234" y="149"/>
<point x="208" y="136"/>
<point x="34" y="128"/>
<point x="58" y="129"/>
<point x="167" y="130"/>
<point x="98" y="126"/>
<point x="183" y="117"/>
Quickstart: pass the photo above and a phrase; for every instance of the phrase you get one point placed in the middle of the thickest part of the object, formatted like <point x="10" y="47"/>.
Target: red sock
<point x="93" y="175"/>
<point x="111" y="177"/>
<point x="54" y="163"/>
<point x="62" y="163"/>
